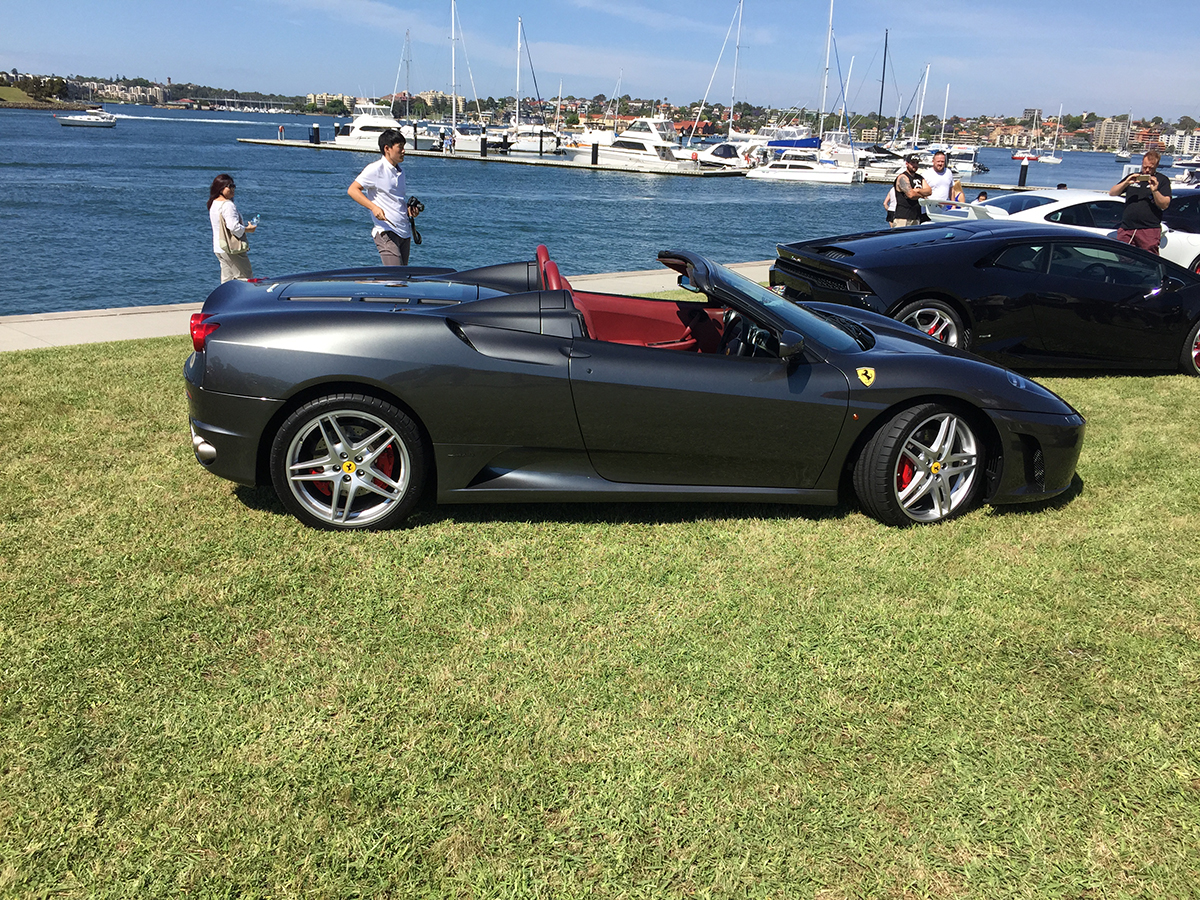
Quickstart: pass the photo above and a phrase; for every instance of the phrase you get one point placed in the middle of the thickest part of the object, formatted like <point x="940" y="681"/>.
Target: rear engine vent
<point x="835" y="253"/>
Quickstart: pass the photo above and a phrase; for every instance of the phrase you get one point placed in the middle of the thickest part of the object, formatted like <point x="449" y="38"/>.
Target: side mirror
<point x="686" y="284"/>
<point x="791" y="345"/>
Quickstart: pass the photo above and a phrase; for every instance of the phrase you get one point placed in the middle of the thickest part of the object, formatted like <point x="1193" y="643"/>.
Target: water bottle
<point x="254" y="222"/>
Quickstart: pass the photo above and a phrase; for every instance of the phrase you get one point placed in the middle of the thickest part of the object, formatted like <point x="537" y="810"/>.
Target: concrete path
<point x="96" y="325"/>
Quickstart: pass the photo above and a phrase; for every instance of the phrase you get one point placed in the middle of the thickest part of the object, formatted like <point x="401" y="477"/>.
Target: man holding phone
<point x="1147" y="194"/>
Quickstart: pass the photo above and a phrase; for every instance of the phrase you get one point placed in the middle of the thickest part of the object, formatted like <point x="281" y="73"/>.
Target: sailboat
<point x="1034" y="152"/>
<point x="529" y="134"/>
<point x="1051" y="158"/>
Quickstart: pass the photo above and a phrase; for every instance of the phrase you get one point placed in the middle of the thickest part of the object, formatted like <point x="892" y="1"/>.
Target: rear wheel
<point x="937" y="319"/>
<point x="1190" y="357"/>
<point x="924" y="465"/>
<point x="348" y="461"/>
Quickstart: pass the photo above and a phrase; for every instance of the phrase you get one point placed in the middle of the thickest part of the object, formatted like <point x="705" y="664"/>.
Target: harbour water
<point x="98" y="218"/>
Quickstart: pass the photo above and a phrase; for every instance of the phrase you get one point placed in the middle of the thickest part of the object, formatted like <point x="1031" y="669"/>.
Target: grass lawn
<point x="203" y="698"/>
<point x="14" y="95"/>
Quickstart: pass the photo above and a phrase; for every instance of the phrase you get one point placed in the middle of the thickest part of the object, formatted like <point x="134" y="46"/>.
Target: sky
<point x="998" y="58"/>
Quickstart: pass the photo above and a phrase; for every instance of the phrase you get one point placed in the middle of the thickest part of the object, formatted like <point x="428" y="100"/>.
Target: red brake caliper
<point x="904" y="477"/>
<point x="386" y="463"/>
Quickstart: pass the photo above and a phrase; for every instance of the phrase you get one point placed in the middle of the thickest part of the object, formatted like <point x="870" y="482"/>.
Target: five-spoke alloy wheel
<point x="348" y="461"/>
<point x="937" y="319"/>
<point x="1190" y="358"/>
<point x="925" y="465"/>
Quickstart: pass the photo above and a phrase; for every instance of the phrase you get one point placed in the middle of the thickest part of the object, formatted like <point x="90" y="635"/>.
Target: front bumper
<point x="1039" y="452"/>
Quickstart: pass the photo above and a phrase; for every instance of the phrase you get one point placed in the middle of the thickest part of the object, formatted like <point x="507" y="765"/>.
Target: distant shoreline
<point x="34" y="104"/>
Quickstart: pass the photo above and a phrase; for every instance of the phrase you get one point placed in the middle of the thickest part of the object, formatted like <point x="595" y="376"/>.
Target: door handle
<point x="572" y="353"/>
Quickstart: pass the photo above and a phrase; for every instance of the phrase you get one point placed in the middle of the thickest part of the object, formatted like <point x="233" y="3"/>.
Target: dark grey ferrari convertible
<point x="352" y="391"/>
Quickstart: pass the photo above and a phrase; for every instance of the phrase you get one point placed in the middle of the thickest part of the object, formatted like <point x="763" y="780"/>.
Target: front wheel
<point x="348" y="461"/>
<point x="1189" y="359"/>
<point x="925" y="465"/>
<point x="937" y="319"/>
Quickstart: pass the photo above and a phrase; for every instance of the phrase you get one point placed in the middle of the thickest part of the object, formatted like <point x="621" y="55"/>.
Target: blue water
<point x="98" y="218"/>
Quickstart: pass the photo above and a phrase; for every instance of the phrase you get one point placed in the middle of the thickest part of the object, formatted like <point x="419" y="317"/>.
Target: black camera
<point x="415" y="206"/>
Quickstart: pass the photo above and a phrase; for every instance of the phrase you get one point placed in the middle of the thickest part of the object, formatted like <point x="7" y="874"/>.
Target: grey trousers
<point x="393" y="249"/>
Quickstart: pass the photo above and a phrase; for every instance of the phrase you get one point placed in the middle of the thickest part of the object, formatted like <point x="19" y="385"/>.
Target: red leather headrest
<point x="553" y="279"/>
<point x="543" y="257"/>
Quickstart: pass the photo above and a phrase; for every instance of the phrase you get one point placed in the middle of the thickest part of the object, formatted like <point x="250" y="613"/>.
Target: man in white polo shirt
<point x="380" y="189"/>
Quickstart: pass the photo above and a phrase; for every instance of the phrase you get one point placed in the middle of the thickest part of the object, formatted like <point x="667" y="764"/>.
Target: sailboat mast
<point x="825" y="80"/>
<point x="844" y="119"/>
<point x="453" y="74"/>
<point x="945" y="109"/>
<point x="920" y="108"/>
<point x="737" y="48"/>
<point x="517" y="114"/>
<point x="882" y="79"/>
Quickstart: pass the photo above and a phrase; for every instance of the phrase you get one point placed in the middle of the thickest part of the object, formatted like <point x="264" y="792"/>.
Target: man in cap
<point x="910" y="188"/>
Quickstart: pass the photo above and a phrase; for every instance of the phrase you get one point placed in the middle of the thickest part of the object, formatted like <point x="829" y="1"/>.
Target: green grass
<point x="14" y="95"/>
<point x="203" y="698"/>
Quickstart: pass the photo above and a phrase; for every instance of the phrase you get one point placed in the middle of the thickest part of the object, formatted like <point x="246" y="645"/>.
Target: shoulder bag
<point x="229" y="242"/>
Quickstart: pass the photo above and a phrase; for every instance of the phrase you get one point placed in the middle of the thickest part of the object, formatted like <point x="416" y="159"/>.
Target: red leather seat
<point x="543" y="257"/>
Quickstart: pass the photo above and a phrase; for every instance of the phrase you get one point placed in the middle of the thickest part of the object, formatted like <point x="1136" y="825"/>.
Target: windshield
<point x="1015" y="203"/>
<point x="825" y="332"/>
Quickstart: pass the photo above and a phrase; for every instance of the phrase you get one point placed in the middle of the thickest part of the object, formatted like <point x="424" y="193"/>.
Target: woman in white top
<point x="222" y="209"/>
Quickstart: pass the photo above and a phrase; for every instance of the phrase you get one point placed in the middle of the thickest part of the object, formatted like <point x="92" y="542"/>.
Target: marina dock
<point x="557" y="162"/>
<point x="549" y="160"/>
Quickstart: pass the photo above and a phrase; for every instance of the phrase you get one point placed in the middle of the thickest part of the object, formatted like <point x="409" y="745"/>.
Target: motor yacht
<point x="729" y="155"/>
<point x="97" y="117"/>
<point x="647" y="145"/>
<point x="805" y="166"/>
<point x="371" y="120"/>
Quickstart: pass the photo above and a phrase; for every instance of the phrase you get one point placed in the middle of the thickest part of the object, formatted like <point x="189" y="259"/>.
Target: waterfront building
<point x="1110" y="134"/>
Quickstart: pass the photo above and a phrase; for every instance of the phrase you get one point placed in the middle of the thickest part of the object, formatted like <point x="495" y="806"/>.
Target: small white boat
<point x="1051" y="158"/>
<point x="93" y="118"/>
<point x="728" y="155"/>
<point x="804" y="166"/>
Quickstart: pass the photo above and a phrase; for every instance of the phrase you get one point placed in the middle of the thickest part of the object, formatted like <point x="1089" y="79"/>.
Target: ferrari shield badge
<point x="866" y="375"/>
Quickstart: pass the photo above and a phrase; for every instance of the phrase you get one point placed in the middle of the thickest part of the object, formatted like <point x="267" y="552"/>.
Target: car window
<point x="1107" y="213"/>
<point x="1023" y="258"/>
<point x="1015" y="203"/>
<point x="1101" y="264"/>
<point x="1078" y="215"/>
<point x="1184" y="213"/>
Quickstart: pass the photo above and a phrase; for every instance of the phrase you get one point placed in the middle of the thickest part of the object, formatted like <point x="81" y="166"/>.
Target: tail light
<point x="201" y="329"/>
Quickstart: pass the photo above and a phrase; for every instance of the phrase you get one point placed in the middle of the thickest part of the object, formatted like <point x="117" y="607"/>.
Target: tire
<point x="372" y="478"/>
<point x="937" y="319"/>
<point x="1194" y="268"/>
<point x="925" y="465"/>
<point x="1189" y="359"/>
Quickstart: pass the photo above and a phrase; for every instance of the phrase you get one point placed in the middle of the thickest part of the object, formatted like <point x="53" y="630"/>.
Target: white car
<point x="1093" y="211"/>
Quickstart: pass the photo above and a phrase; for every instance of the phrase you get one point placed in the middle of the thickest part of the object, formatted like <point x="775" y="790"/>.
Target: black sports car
<point x="352" y="390"/>
<point x="1029" y="296"/>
